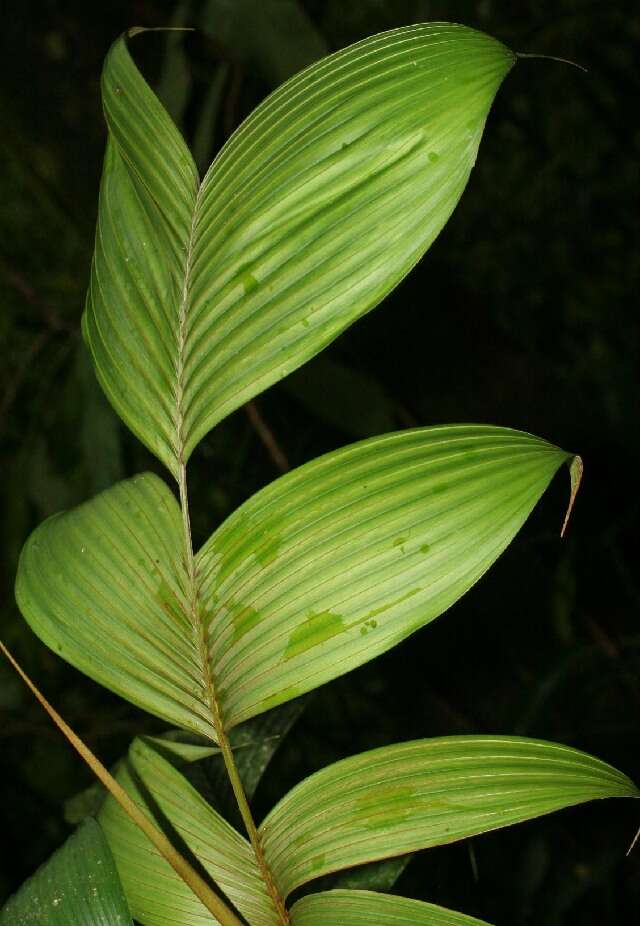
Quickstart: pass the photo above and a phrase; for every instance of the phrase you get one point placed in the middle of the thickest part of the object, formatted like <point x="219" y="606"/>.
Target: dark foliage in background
<point x="522" y="314"/>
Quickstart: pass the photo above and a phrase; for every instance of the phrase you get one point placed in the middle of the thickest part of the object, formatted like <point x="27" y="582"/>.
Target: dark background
<point x="523" y="313"/>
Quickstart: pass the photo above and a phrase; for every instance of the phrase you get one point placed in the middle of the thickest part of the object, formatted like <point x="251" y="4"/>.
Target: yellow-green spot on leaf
<point x="367" y="626"/>
<point x="400" y="540"/>
<point x="317" y="628"/>
<point x="434" y="156"/>
<point x="249" y="282"/>
<point x="244" y="618"/>
<point x="425" y="548"/>
<point x="266" y="552"/>
<point x="166" y="598"/>
<point x="386" y="805"/>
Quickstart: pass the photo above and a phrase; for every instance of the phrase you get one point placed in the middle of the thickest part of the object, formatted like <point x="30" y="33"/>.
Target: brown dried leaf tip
<point x="576" y="469"/>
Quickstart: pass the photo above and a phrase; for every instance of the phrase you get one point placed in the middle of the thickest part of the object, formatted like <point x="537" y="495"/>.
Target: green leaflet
<point x="424" y="793"/>
<point x="202" y="295"/>
<point x="316" y="574"/>
<point x="365" y="908"/>
<point x="105" y="587"/>
<point x="174" y="749"/>
<point x="341" y="559"/>
<point x="79" y="884"/>
<point x="156" y="894"/>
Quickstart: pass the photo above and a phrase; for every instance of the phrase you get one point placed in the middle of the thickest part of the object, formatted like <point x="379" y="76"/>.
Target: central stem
<point x="223" y="740"/>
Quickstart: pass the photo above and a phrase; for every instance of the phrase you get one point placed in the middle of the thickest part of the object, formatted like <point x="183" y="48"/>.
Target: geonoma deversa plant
<point x="202" y="294"/>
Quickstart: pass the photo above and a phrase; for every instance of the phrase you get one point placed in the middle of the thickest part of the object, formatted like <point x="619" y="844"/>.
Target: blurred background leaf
<point x="78" y="884"/>
<point x="276" y="36"/>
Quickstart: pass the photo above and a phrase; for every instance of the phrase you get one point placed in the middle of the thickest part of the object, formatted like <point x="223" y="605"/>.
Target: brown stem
<point x="216" y="714"/>
<point x="213" y="903"/>
<point x="267" y="437"/>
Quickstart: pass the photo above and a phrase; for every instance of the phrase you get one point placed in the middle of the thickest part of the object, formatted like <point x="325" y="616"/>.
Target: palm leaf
<point x="321" y="571"/>
<point x="78" y="884"/>
<point x="105" y="586"/>
<point x="364" y="908"/>
<point x="203" y="294"/>
<point x="341" y="559"/>
<point x="424" y="793"/>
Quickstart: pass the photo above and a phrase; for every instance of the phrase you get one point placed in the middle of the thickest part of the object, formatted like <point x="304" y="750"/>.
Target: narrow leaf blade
<point x="341" y="559"/>
<point x="410" y="796"/>
<point x="134" y="315"/>
<point x="78" y="884"/>
<point x="155" y="893"/>
<point x="362" y="908"/>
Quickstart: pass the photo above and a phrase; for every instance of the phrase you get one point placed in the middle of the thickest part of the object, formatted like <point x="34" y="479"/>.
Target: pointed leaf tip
<point x="633" y="843"/>
<point x="205" y="292"/>
<point x="573" y="64"/>
<point x="137" y="30"/>
<point x="576" y="469"/>
<point x="415" y="795"/>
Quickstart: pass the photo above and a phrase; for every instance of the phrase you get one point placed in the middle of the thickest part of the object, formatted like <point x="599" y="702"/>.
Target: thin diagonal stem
<point x="224" y="915"/>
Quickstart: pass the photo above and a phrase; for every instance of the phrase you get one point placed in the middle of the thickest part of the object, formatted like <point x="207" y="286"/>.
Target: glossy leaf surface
<point x="410" y="796"/>
<point x="341" y="559"/>
<point x="203" y="294"/>
<point x="79" y="884"/>
<point x="156" y="894"/>
<point x="365" y="908"/>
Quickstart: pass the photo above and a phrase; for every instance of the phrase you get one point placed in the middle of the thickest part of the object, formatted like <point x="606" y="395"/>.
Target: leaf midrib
<point x="182" y="331"/>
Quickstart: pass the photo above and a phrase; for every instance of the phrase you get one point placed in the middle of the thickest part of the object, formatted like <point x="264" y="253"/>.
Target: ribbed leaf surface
<point x="425" y="793"/>
<point x="79" y="884"/>
<point x="316" y="574"/>
<point x="156" y="894"/>
<point x="105" y="587"/>
<point x="202" y="295"/>
<point x="341" y="559"/>
<point x="365" y="908"/>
